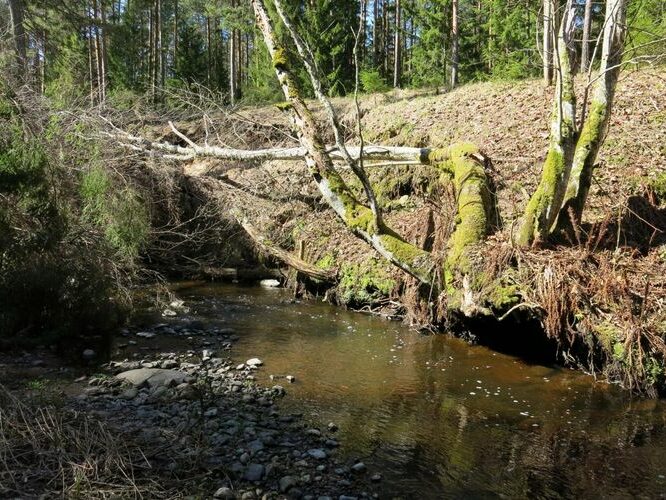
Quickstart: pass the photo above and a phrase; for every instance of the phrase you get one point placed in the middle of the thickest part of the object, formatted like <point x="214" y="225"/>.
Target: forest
<point x="332" y="248"/>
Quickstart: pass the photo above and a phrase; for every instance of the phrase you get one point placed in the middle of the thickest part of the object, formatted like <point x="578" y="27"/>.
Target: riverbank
<point x="165" y="425"/>
<point x="435" y="416"/>
<point x="593" y="299"/>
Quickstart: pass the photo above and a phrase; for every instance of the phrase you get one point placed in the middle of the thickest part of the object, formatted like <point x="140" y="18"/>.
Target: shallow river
<point x="440" y="418"/>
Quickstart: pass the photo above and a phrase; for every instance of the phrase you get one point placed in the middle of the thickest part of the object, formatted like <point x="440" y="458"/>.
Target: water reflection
<point x="440" y="418"/>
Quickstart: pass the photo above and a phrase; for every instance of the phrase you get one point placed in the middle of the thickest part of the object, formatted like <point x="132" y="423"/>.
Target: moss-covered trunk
<point x="596" y="123"/>
<point x="544" y="205"/>
<point x="464" y="163"/>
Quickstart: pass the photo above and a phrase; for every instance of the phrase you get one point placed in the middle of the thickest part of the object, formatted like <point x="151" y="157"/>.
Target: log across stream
<point x="436" y="416"/>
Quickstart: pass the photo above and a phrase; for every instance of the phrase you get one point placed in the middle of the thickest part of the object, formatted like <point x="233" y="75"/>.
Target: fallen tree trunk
<point x="305" y="268"/>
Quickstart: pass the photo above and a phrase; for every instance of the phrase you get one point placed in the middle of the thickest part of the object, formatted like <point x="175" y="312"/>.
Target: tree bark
<point x="293" y="261"/>
<point x="596" y="123"/>
<point x="16" y="12"/>
<point x="548" y="40"/>
<point x="175" y="36"/>
<point x="544" y="205"/>
<point x="585" y="50"/>
<point x="454" y="43"/>
<point x="397" y="59"/>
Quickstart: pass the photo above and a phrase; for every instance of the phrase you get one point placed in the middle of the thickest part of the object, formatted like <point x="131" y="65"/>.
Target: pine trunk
<point x="16" y="13"/>
<point x="454" y="43"/>
<point x="397" y="59"/>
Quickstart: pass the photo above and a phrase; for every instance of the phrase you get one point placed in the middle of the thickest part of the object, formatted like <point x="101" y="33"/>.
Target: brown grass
<point x="45" y="450"/>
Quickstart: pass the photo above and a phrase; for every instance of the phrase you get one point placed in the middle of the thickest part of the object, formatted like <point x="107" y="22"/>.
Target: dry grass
<point x="45" y="450"/>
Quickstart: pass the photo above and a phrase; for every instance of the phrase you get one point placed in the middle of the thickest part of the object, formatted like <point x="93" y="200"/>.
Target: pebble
<point x="225" y="493"/>
<point x="317" y="453"/>
<point x="254" y="472"/>
<point x="358" y="467"/>
<point x="254" y="362"/>
<point x="286" y="483"/>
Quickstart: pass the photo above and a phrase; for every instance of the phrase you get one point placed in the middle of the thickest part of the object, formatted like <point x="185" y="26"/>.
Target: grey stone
<point x="254" y="362"/>
<point x="130" y="393"/>
<point x="376" y="478"/>
<point x="270" y="283"/>
<point x="254" y="472"/>
<point x="89" y="354"/>
<point x="287" y="482"/>
<point x="225" y="493"/>
<point x="255" y="446"/>
<point x="145" y="335"/>
<point x="358" y="467"/>
<point x="152" y="376"/>
<point x="317" y="453"/>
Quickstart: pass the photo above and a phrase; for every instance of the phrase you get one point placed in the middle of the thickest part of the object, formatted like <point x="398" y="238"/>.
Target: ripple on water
<point x="440" y="418"/>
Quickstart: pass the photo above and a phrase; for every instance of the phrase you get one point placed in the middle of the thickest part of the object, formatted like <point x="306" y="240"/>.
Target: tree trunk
<point x="175" y="36"/>
<point x="596" y="123"/>
<point x="544" y="205"/>
<point x="585" y="50"/>
<point x="293" y="261"/>
<point x="548" y="40"/>
<point x="103" y="53"/>
<point x="454" y="43"/>
<point x="397" y="60"/>
<point x="232" y="66"/>
<point x="16" y="9"/>
<point x="375" y="33"/>
<point x="209" y="54"/>
<point x="157" y="67"/>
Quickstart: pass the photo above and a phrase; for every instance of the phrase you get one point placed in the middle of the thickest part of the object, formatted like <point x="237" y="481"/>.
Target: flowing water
<point x="440" y="418"/>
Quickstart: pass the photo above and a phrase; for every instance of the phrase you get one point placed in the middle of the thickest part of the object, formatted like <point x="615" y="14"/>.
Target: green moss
<point x="364" y="283"/>
<point x="472" y="223"/>
<point x="535" y="221"/>
<point x="328" y="261"/>
<point x="607" y="334"/>
<point x="618" y="351"/>
<point x="284" y="106"/>
<point x="503" y="297"/>
<point x="361" y="218"/>
<point x="280" y="59"/>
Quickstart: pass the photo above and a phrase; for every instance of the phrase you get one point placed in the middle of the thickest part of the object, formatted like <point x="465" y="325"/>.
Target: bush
<point x="61" y="234"/>
<point x="372" y="81"/>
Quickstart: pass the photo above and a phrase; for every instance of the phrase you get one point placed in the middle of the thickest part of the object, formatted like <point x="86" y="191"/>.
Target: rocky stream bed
<point x="205" y="424"/>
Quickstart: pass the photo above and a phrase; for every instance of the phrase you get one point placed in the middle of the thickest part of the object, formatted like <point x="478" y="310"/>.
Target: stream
<point x="440" y="418"/>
